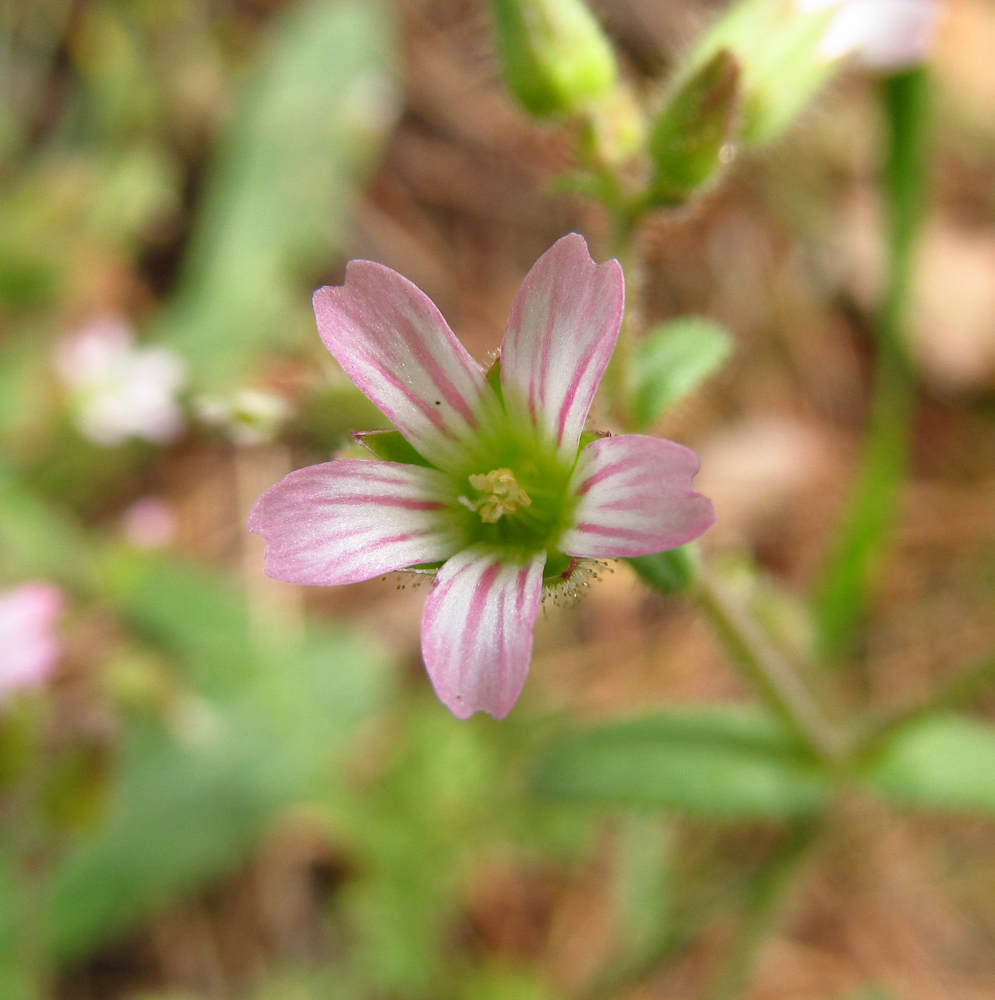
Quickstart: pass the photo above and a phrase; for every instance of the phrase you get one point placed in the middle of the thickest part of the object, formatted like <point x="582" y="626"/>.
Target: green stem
<point x="762" y="908"/>
<point x="848" y="577"/>
<point x="768" y="669"/>
<point x="745" y="641"/>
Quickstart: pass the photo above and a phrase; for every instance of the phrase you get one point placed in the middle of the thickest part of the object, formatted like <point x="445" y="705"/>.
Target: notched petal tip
<point x="397" y="348"/>
<point x="561" y="333"/>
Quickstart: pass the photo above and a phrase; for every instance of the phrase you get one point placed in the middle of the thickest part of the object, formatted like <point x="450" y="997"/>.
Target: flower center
<point x="499" y="494"/>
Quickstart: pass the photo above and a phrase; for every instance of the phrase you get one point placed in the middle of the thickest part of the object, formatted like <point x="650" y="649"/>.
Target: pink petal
<point x="394" y="344"/>
<point x="883" y="34"/>
<point x="635" y="497"/>
<point x="347" y="521"/>
<point x="29" y="645"/>
<point x="561" y="334"/>
<point x="476" y="634"/>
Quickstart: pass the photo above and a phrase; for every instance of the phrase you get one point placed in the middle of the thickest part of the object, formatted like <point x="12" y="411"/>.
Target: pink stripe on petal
<point x="477" y="629"/>
<point x="394" y="344"/>
<point x="635" y="497"/>
<point x="347" y="521"/>
<point x="560" y="337"/>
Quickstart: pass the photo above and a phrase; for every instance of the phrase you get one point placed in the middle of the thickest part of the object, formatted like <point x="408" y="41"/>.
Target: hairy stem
<point x="768" y="669"/>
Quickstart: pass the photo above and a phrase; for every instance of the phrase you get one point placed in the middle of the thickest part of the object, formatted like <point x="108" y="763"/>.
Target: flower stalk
<point x="769" y="671"/>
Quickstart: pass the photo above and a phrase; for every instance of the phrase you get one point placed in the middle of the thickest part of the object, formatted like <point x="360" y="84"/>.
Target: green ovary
<point x="520" y="503"/>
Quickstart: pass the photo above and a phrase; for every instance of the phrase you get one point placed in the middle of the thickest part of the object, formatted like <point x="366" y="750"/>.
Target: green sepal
<point x="494" y="378"/>
<point x="391" y="446"/>
<point x="587" y="437"/>
<point x="670" y="572"/>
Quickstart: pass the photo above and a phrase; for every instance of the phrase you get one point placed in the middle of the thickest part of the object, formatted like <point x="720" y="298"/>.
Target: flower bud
<point x="555" y="57"/>
<point x="777" y="46"/>
<point x="688" y="136"/>
<point x="616" y="128"/>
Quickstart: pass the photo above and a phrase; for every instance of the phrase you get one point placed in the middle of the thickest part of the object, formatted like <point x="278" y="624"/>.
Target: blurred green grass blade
<point x="644" y="892"/>
<point x="945" y="764"/>
<point x="673" y="360"/>
<point x="17" y="978"/>
<point x="262" y="729"/>
<point x="724" y="762"/>
<point x="304" y="136"/>
<point x="847" y="580"/>
<point x="39" y="540"/>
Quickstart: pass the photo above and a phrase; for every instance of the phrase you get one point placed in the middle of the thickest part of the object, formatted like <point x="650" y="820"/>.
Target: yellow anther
<point x="501" y="495"/>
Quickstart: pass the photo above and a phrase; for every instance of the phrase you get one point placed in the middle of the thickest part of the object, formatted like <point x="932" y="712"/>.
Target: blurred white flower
<point x="149" y="523"/>
<point x="247" y="416"/>
<point x="884" y="35"/>
<point x="29" y="646"/>
<point x="120" y="390"/>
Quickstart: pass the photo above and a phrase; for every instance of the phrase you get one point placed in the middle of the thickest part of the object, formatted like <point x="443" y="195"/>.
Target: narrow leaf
<point x="305" y="134"/>
<point x="721" y="762"/>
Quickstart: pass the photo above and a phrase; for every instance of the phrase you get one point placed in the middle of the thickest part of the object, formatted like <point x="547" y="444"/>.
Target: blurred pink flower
<point x="29" y="646"/>
<point x="149" y="523"/>
<point x="495" y="486"/>
<point x="119" y="389"/>
<point x="882" y="35"/>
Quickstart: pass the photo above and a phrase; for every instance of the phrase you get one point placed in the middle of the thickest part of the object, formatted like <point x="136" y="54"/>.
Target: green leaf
<point x="724" y="762"/>
<point x="670" y="572"/>
<point x="944" y="764"/>
<point x="673" y="360"/>
<point x="304" y="136"/>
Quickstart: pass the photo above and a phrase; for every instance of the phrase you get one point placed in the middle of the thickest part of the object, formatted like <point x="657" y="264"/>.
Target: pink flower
<point x="29" y="646"/>
<point x="885" y="35"/>
<point x="494" y="484"/>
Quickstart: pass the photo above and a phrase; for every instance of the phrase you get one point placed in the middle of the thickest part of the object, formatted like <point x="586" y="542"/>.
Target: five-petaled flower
<point x="29" y="646"/>
<point x="490" y="480"/>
